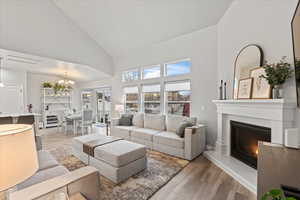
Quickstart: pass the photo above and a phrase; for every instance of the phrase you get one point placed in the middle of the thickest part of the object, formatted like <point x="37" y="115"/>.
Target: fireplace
<point x="244" y="141"/>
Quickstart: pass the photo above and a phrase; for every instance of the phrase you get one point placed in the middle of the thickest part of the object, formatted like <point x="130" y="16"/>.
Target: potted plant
<point x="275" y="194"/>
<point x="47" y="85"/>
<point x="276" y="75"/>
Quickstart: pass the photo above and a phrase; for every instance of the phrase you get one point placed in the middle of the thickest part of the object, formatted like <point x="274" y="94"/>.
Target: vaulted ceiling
<point x="121" y="25"/>
<point x="96" y="32"/>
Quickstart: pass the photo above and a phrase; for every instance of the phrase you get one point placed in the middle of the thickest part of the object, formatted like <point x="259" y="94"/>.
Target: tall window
<point x="151" y="72"/>
<point x="178" y="98"/>
<point x="131" y="99"/>
<point x="132" y="75"/>
<point x="151" y="98"/>
<point x="178" y="68"/>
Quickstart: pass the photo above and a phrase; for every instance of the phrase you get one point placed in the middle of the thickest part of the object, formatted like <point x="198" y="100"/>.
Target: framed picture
<point x="261" y="88"/>
<point x="245" y="88"/>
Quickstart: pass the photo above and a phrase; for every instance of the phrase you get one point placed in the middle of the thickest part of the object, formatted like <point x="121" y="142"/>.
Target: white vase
<point x="277" y="92"/>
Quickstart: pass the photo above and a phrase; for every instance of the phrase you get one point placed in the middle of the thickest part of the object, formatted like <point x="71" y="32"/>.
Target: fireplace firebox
<point x="244" y="141"/>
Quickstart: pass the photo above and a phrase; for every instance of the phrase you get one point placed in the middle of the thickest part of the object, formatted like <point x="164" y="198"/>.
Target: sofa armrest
<point x="194" y="139"/>
<point x="115" y="121"/>
<point x="85" y="180"/>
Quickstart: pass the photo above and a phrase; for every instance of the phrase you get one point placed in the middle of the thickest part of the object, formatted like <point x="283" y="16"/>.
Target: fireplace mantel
<point x="277" y="114"/>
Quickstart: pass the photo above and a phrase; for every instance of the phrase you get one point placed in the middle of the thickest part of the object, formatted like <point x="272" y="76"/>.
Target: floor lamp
<point x="18" y="155"/>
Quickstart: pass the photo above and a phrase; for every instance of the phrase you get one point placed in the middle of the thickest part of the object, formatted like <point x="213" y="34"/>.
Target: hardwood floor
<point x="200" y="180"/>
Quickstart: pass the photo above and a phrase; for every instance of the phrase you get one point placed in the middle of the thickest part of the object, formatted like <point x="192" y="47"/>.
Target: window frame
<point x="162" y="81"/>
<point x="128" y="71"/>
<point x="133" y="102"/>
<point x="174" y="62"/>
<point x="143" y="97"/>
<point x="166" y="103"/>
<point x="149" y="67"/>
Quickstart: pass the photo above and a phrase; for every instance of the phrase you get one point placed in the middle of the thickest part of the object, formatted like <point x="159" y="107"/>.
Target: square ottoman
<point x="117" y="160"/>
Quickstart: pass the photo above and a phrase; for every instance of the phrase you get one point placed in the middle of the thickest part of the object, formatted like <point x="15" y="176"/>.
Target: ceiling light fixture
<point x="66" y="81"/>
<point x="1" y="82"/>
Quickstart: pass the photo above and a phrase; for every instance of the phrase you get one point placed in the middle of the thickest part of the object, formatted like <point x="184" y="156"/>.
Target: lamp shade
<point x="18" y="155"/>
<point x="119" y="108"/>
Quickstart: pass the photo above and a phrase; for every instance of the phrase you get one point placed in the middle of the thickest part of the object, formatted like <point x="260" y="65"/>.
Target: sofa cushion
<point x="126" y="120"/>
<point x="174" y="121"/>
<point x="43" y="175"/>
<point x="122" y="131"/>
<point x="46" y="160"/>
<point x="138" y="120"/>
<point x="143" y="133"/>
<point x="169" y="139"/>
<point x="120" y="153"/>
<point x="156" y="122"/>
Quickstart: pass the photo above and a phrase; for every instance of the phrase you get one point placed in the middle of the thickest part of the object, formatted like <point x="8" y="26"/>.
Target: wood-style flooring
<point x="200" y="180"/>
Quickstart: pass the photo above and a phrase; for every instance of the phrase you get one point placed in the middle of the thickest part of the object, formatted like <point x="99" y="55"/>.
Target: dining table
<point x="75" y="117"/>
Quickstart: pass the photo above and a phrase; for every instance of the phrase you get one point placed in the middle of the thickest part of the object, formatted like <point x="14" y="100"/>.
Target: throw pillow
<point x="180" y="130"/>
<point x="138" y="120"/>
<point x="126" y="120"/>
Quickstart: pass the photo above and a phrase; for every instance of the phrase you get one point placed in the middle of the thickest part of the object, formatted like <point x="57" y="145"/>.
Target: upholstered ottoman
<point x="116" y="160"/>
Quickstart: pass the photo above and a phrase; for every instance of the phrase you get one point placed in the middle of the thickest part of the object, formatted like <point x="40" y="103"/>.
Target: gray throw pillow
<point x="182" y="127"/>
<point x="126" y="120"/>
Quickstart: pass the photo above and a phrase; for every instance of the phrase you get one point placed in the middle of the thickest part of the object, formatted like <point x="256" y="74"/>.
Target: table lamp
<point x="18" y="155"/>
<point x="119" y="108"/>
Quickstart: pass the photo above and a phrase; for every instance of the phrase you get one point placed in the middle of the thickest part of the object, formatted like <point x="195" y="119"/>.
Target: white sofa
<point x="157" y="132"/>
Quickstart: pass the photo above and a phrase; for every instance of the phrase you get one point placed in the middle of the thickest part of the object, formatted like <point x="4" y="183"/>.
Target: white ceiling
<point x="41" y="65"/>
<point x="121" y="25"/>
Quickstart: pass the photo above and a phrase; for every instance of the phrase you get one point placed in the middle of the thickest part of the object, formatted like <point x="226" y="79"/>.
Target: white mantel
<point x="277" y="114"/>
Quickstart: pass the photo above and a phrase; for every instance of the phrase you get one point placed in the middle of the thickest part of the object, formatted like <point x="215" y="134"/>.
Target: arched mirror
<point x="248" y="58"/>
<point x="296" y="43"/>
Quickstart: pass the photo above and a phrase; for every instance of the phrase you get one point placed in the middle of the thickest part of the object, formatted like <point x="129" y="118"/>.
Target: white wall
<point x="201" y="47"/>
<point x="34" y="82"/>
<point x="40" y="28"/>
<point x="263" y="22"/>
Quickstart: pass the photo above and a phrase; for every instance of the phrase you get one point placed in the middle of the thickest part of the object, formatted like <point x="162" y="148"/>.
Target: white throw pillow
<point x="174" y="121"/>
<point x="156" y="122"/>
<point x="138" y="120"/>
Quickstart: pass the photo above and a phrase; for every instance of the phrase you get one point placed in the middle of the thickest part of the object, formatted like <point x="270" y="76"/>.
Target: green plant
<point x="47" y="85"/>
<point x="277" y="73"/>
<point x="57" y="87"/>
<point x="275" y="194"/>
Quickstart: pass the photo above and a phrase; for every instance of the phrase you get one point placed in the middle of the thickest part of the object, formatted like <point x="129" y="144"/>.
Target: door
<point x="11" y="99"/>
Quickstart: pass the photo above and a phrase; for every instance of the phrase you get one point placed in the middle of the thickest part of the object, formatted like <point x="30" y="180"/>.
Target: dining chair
<point x="86" y="121"/>
<point x="65" y="123"/>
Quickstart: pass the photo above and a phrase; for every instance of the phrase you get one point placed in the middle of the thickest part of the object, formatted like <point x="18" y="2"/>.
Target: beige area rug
<point x="160" y="170"/>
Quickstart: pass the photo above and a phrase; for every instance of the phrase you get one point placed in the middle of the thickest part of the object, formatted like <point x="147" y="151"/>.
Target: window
<point x="178" y="68"/>
<point x="178" y="98"/>
<point x="151" y="98"/>
<point x="131" y="99"/>
<point x="132" y="75"/>
<point x="151" y="72"/>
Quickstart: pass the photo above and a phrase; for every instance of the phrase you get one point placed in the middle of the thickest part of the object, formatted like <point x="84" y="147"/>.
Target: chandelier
<point x="66" y="81"/>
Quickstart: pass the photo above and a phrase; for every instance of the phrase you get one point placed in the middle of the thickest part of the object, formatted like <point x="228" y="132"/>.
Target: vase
<point x="277" y="92"/>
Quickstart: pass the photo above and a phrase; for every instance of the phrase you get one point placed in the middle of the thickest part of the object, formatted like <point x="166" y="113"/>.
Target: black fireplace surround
<point x="244" y="141"/>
